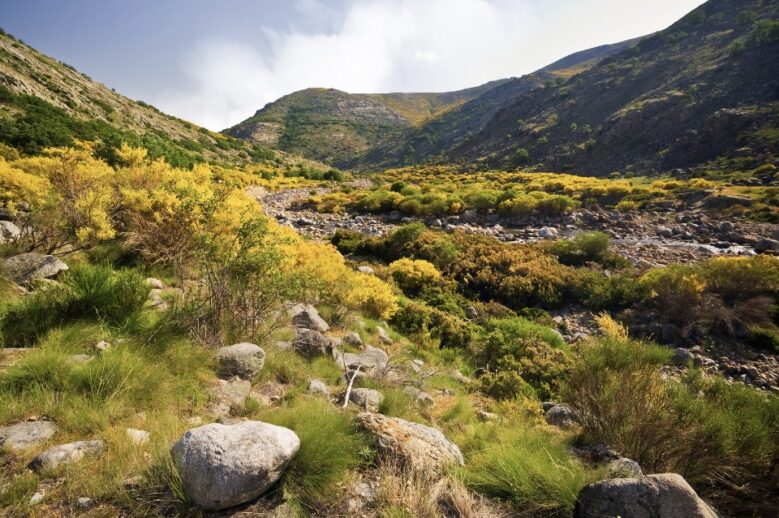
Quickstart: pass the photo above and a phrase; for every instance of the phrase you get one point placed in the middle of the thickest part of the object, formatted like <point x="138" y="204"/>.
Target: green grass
<point x="96" y="293"/>
<point x="330" y="447"/>
<point x="529" y="468"/>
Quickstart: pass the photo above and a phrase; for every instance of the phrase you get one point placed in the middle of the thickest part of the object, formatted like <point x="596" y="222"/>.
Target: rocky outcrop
<point x="665" y="495"/>
<point x="244" y="360"/>
<point x="311" y="343"/>
<point x="420" y="447"/>
<point x="305" y="316"/>
<point x="65" y="454"/>
<point x="561" y="415"/>
<point x="222" y="466"/>
<point x="26" y="267"/>
<point x="21" y="436"/>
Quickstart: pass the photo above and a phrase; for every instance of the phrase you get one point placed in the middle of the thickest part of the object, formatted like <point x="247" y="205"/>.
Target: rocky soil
<point x="647" y="240"/>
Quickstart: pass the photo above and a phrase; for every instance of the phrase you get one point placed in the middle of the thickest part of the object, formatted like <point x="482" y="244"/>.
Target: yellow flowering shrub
<point x="412" y="275"/>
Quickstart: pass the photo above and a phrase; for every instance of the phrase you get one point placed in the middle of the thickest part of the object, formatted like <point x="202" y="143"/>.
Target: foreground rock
<point x="370" y="358"/>
<point x="311" y="343"/>
<point x="244" y="360"/>
<point x="665" y="495"/>
<point x="21" y="436"/>
<point x="65" y="454"/>
<point x="561" y="415"/>
<point x="26" y="267"/>
<point x="305" y="316"/>
<point x="421" y="447"/>
<point x="222" y="466"/>
<point x="367" y="399"/>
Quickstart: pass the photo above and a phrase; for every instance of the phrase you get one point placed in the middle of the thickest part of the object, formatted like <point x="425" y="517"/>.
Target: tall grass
<point x="330" y="447"/>
<point x="86" y="292"/>
<point x="527" y="467"/>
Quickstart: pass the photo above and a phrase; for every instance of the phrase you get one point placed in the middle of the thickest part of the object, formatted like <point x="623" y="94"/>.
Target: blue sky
<point x="216" y="62"/>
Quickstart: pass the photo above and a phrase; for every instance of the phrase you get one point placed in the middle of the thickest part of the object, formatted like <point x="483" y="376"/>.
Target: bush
<point x="764" y="338"/>
<point x="329" y="448"/>
<point x="413" y="275"/>
<point x="598" y="292"/>
<point x="416" y="318"/>
<point x="523" y="358"/>
<point x="583" y="248"/>
<point x="334" y="175"/>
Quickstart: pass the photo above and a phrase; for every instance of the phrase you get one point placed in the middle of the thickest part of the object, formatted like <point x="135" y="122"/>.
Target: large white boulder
<point x="305" y="316"/>
<point x="20" y="436"/>
<point x="63" y="454"/>
<point x="222" y="466"/>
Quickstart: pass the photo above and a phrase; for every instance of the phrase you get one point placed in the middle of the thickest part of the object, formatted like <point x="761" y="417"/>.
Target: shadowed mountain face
<point x="703" y="91"/>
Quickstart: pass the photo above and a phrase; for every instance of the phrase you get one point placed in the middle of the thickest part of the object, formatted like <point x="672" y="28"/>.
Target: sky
<point x="216" y="62"/>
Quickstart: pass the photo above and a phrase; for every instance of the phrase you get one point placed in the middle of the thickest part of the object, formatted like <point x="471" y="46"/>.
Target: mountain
<point x="44" y="102"/>
<point x="338" y="127"/>
<point x="335" y="126"/>
<point x="703" y="91"/>
<point x="448" y="129"/>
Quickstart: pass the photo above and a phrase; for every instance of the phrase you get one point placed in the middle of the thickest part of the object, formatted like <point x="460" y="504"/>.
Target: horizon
<point x="217" y="65"/>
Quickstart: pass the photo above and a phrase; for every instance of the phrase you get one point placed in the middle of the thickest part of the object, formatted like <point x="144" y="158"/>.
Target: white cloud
<point x="402" y="45"/>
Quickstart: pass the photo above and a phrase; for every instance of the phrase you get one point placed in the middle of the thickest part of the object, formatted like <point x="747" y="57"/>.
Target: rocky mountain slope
<point x="447" y="130"/>
<point x="334" y="126"/>
<point x="44" y="102"/>
<point x="703" y="89"/>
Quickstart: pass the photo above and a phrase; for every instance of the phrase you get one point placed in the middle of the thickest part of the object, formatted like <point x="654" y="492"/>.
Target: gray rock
<point x="305" y="316"/>
<point x="80" y="358"/>
<point x="366" y="269"/>
<point x="471" y="313"/>
<point x="624" y="468"/>
<point x="20" y="436"/>
<point x="682" y="356"/>
<point x="228" y="395"/>
<point x="102" y="346"/>
<point x="223" y="466"/>
<point x="352" y="339"/>
<point x="84" y="502"/>
<point x="370" y="358"/>
<point x="665" y="232"/>
<point x="9" y="231"/>
<point x="65" y="454"/>
<point x="384" y="337"/>
<point x="244" y="360"/>
<point x="767" y="245"/>
<point x="421" y="447"/>
<point x="25" y="267"/>
<point x="665" y="495"/>
<point x="548" y="233"/>
<point x="38" y="497"/>
<point x="366" y="399"/>
<point x="318" y="388"/>
<point x="561" y="415"/>
<point x="420" y="397"/>
<point x="311" y="343"/>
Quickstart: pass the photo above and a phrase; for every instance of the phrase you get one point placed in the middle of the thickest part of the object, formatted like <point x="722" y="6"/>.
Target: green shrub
<point x="584" y="247"/>
<point x="334" y="175"/>
<point x="764" y="338"/>
<point x="416" y="318"/>
<point x="414" y="275"/>
<point x="598" y="292"/>
<point x="330" y="447"/>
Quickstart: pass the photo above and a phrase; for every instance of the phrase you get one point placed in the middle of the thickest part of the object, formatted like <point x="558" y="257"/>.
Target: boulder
<point x="318" y="388"/>
<point x="367" y="399"/>
<point x="269" y="393"/>
<point x="311" y="343"/>
<point x="9" y="231"/>
<point x="20" y="436"/>
<point x="370" y="358"/>
<point x="366" y="269"/>
<point x="422" y="448"/>
<point x="244" y="360"/>
<point x="624" y="468"/>
<point x="548" y="233"/>
<point x="665" y="495"/>
<point x="222" y="466"/>
<point x="352" y="339"/>
<point x="561" y="415"/>
<point x="767" y="245"/>
<point x="420" y="397"/>
<point x="228" y="395"/>
<point x="65" y="454"/>
<point x="305" y="316"/>
<point x="384" y="337"/>
<point x="23" y="268"/>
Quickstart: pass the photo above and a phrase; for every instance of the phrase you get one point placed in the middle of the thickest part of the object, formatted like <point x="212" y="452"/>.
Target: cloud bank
<point x="400" y="45"/>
